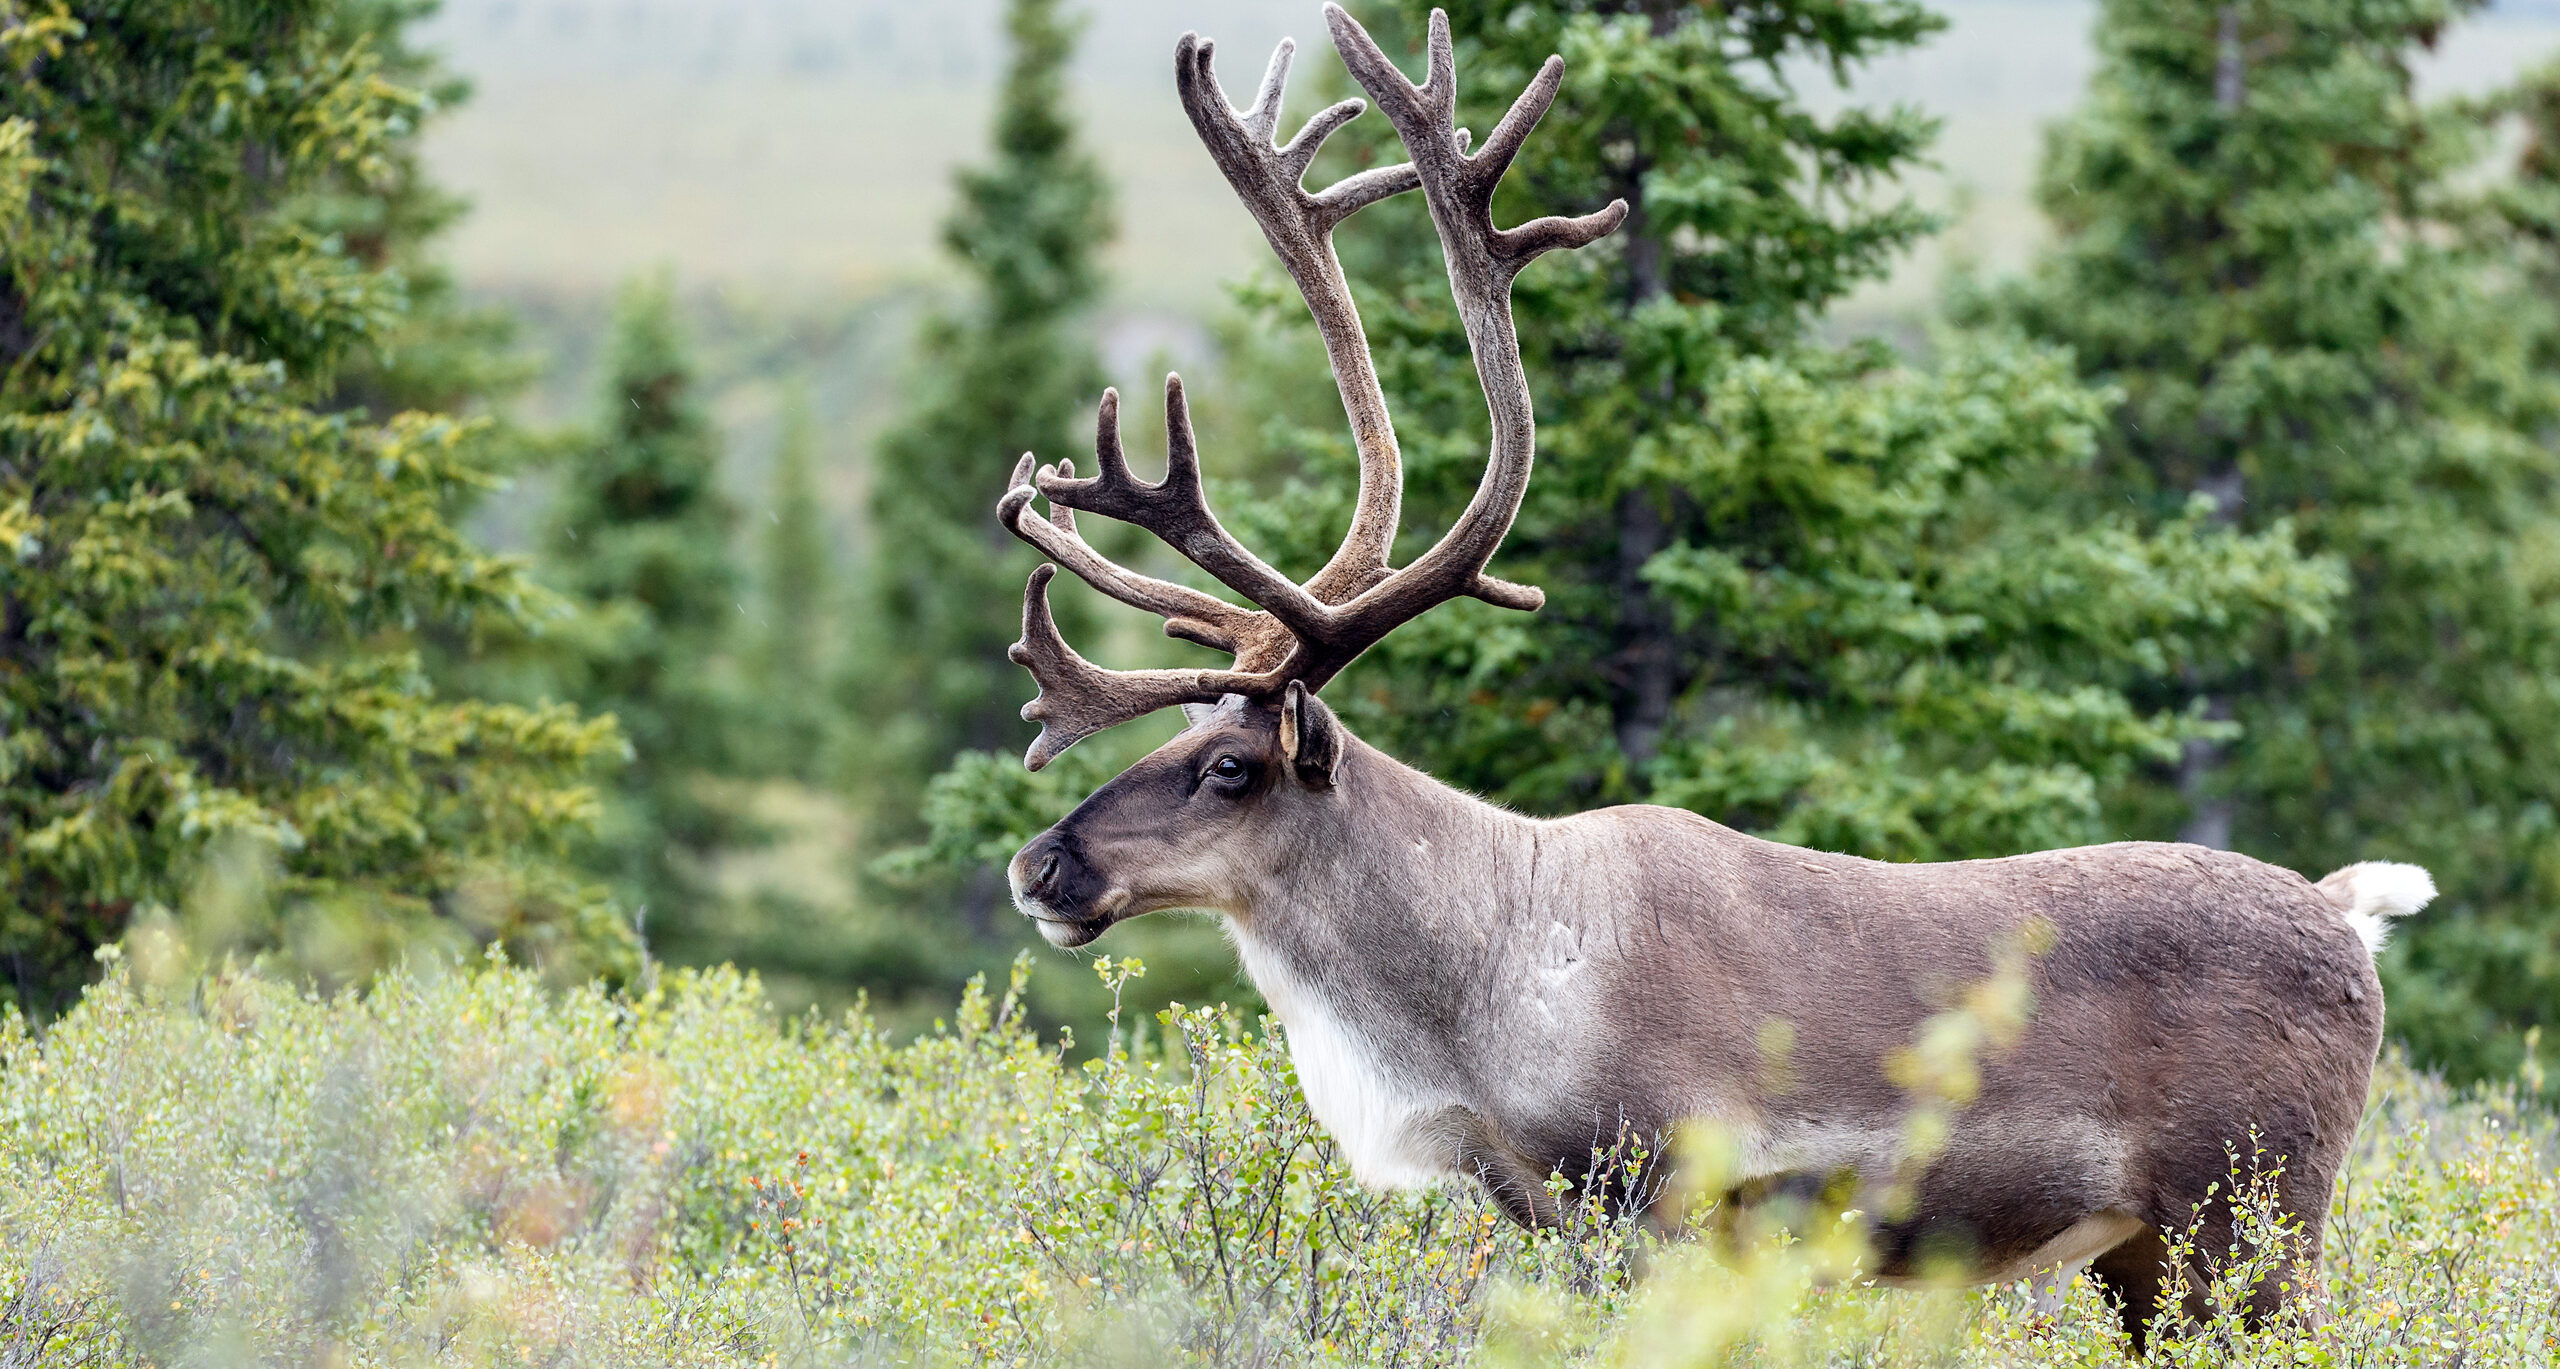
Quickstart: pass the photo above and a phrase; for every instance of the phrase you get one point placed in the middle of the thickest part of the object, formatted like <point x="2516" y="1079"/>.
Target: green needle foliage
<point x="640" y="540"/>
<point x="211" y="580"/>
<point x="442" y="353"/>
<point x="1805" y="589"/>
<point x="2262" y="243"/>
<point x="1009" y="372"/>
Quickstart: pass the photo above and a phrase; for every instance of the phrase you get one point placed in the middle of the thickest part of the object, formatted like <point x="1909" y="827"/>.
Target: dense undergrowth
<point x="470" y="1168"/>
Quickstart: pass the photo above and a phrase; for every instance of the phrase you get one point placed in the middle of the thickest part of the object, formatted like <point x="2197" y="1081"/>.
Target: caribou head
<point x="1190" y="826"/>
<point x="1179" y="828"/>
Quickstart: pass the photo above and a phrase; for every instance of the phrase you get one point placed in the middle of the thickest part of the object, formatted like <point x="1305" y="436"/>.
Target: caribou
<point x="1467" y="991"/>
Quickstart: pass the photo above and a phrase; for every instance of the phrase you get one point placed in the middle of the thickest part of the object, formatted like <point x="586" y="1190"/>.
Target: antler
<point x="1306" y="632"/>
<point x="1299" y="226"/>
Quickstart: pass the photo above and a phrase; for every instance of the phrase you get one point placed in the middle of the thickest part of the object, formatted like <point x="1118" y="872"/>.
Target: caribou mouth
<point x="1066" y="931"/>
<point x="1067" y="936"/>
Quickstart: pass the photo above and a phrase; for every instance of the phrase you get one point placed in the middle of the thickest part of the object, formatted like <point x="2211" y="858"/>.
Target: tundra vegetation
<point x="466" y="1167"/>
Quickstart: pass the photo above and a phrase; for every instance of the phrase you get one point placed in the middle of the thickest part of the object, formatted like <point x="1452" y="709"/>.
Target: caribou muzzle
<point x="1058" y="889"/>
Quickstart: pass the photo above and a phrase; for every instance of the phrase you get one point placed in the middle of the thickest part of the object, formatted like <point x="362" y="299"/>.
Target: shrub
<point x="462" y="1166"/>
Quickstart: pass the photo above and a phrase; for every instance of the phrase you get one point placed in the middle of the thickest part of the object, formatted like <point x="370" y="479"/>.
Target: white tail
<point x="2372" y="892"/>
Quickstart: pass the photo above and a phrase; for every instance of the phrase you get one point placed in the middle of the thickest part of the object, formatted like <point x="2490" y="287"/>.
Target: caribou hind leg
<point x="2136" y="1277"/>
<point x="2133" y="1277"/>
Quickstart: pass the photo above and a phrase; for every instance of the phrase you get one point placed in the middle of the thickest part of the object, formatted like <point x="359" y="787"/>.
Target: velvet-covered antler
<point x="1308" y="632"/>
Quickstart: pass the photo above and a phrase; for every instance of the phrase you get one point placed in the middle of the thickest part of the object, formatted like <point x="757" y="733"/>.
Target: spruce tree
<point x="211" y="581"/>
<point x="795" y="721"/>
<point x="2261" y="243"/>
<point x="1809" y="590"/>
<point x="1008" y="372"/>
<point x="639" y="541"/>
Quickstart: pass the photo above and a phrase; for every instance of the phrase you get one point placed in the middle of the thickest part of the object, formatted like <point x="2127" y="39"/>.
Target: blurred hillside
<point x="802" y="147"/>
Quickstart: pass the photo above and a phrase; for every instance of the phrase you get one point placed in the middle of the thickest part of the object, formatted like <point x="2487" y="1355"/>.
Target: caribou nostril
<point x="1048" y="872"/>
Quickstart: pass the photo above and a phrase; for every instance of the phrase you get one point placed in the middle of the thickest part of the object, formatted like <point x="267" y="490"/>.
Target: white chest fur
<point x="1374" y="1112"/>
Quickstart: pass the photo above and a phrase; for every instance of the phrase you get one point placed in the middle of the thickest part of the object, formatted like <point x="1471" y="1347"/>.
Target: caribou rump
<point x="1468" y="991"/>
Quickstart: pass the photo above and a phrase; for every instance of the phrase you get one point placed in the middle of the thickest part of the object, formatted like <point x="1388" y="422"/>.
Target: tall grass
<point x="466" y="1167"/>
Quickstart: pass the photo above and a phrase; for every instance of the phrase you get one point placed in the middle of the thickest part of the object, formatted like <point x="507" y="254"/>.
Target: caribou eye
<point x="1226" y="768"/>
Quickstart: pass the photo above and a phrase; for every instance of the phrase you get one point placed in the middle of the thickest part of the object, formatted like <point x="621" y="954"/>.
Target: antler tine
<point x="1078" y="698"/>
<point x="1189" y="615"/>
<point x="1299" y="225"/>
<point x="1177" y="511"/>
<point x="1300" y="151"/>
<point x="1504" y="143"/>
<point x="1262" y="121"/>
<point x="1424" y="117"/>
<point x="1399" y="98"/>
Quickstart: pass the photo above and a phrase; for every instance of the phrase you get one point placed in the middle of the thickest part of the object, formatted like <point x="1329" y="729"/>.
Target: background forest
<point x="1909" y="487"/>
<point x="516" y="480"/>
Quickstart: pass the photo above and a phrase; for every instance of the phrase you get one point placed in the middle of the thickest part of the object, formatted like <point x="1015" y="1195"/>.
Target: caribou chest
<point x="1380" y="1114"/>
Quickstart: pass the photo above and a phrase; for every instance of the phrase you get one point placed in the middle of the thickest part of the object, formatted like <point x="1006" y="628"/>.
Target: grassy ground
<point x="471" y="1168"/>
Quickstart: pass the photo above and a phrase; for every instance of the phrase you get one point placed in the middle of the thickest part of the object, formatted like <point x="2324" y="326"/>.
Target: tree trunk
<point x="1647" y="664"/>
<point x="2200" y="766"/>
<point x="2210" y="809"/>
<point x="2230" y="61"/>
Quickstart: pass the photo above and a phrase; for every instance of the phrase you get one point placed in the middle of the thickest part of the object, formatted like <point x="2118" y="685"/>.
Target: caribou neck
<point x="1397" y="913"/>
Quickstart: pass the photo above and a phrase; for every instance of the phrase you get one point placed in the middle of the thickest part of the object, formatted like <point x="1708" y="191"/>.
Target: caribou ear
<point x="1309" y="736"/>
